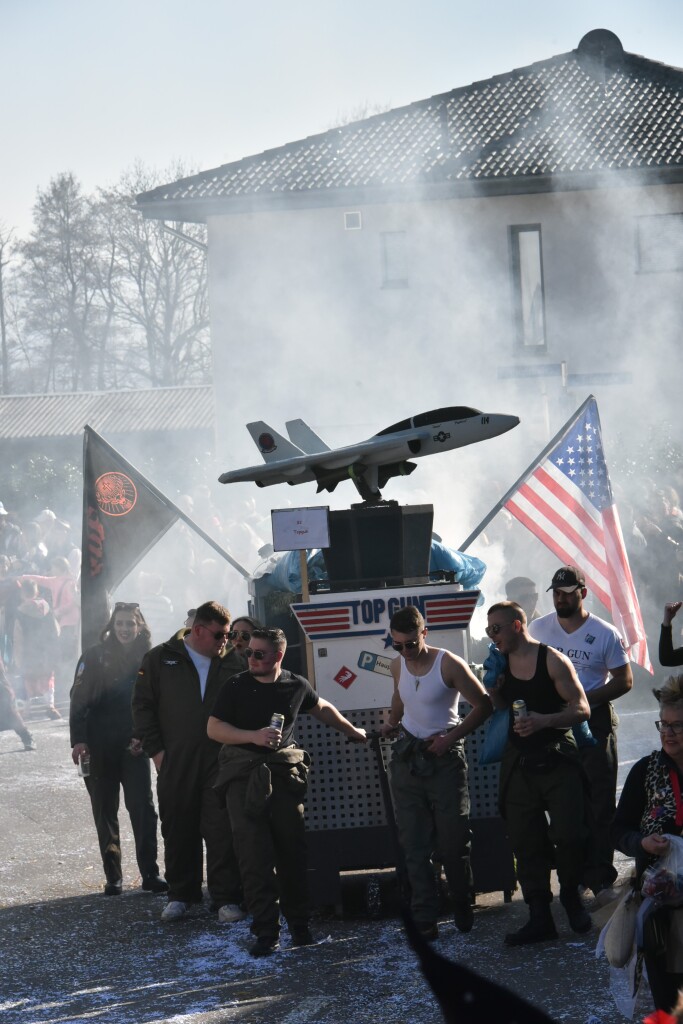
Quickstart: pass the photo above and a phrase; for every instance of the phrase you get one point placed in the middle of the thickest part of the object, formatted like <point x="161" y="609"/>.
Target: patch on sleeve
<point x="80" y="670"/>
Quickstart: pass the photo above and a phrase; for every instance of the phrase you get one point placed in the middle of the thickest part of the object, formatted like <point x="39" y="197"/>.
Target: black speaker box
<point x="378" y="546"/>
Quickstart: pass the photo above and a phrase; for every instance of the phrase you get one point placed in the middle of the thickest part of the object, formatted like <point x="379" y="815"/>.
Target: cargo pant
<point x="432" y="815"/>
<point x="271" y="850"/>
<point x="540" y="845"/>
<point x="600" y="763"/>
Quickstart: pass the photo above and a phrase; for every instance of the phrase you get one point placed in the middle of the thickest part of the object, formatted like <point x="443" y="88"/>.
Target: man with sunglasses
<point x="541" y="783"/>
<point x="263" y="776"/>
<point x="598" y="654"/>
<point x="428" y="768"/>
<point x="175" y="690"/>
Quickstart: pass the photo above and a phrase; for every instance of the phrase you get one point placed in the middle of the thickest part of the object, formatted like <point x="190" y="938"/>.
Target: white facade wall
<point x="301" y="315"/>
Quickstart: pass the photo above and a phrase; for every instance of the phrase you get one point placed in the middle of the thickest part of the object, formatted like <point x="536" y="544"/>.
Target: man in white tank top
<point x="428" y="769"/>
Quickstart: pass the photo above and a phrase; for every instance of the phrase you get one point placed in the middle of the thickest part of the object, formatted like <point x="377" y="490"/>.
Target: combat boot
<point x="538" y="928"/>
<point x="577" y="915"/>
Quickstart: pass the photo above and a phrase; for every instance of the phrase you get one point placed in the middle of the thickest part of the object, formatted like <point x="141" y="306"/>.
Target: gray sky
<point x="90" y="88"/>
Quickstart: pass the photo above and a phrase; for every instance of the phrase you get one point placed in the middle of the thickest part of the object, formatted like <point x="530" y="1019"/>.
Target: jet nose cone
<point x="500" y="423"/>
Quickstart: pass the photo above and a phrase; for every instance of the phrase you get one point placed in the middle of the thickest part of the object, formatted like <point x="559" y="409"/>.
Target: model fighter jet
<point x="305" y="457"/>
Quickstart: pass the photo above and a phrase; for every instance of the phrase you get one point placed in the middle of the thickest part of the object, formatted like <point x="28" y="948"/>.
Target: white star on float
<point x="570" y="450"/>
<point x="560" y="462"/>
<point x="572" y="472"/>
<point x="570" y="461"/>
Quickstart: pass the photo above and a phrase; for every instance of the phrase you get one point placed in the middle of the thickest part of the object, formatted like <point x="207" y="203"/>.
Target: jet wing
<point x="300" y="468"/>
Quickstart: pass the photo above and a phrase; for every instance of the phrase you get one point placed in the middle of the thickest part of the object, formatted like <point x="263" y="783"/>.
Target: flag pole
<point x="524" y="477"/>
<point x="179" y="512"/>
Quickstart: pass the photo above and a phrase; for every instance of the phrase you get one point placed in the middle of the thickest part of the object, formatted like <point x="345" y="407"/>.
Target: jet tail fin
<point x="307" y="439"/>
<point x="273" y="446"/>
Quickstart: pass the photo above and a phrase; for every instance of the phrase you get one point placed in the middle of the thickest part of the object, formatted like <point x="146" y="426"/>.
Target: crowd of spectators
<point x="39" y="606"/>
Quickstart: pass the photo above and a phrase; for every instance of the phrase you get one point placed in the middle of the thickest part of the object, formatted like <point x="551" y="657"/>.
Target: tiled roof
<point x="595" y="109"/>
<point x="114" y="412"/>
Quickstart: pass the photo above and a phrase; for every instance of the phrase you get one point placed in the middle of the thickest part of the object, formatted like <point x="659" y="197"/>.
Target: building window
<point x="659" y="243"/>
<point x="353" y="221"/>
<point x="527" y="285"/>
<point x="394" y="259"/>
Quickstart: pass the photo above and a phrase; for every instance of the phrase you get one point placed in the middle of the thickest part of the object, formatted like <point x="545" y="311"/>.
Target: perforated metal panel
<point x="344" y="788"/>
<point x="483" y="779"/>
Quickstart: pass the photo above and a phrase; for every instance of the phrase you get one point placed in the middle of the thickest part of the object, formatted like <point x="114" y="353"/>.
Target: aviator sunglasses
<point x="409" y="645"/>
<point x="216" y="636"/>
<point x="239" y="634"/>
<point x="256" y="655"/>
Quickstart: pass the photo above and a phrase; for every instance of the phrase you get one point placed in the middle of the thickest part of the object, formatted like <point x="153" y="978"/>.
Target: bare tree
<point x="155" y="284"/>
<point x="64" y="312"/>
<point x="6" y="250"/>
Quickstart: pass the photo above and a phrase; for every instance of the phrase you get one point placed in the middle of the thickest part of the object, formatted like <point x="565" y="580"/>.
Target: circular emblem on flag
<point x="115" y="494"/>
<point x="266" y="443"/>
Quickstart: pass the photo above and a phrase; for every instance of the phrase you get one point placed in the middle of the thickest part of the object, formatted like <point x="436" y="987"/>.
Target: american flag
<point x="565" y="499"/>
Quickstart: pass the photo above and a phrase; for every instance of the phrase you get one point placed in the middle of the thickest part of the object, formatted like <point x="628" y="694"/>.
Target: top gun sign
<point x="332" y="618"/>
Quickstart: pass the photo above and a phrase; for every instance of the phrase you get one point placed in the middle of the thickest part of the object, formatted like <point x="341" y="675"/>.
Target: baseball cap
<point x="568" y="578"/>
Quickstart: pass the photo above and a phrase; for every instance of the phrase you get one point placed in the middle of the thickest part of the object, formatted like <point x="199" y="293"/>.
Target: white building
<point x="428" y="255"/>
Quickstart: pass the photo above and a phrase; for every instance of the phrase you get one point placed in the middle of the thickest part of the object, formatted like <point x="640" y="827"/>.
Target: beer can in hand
<point x="84" y="765"/>
<point x="519" y="709"/>
<point x="277" y="721"/>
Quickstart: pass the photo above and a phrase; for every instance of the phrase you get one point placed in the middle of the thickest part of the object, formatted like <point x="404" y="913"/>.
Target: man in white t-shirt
<point x="598" y="654"/>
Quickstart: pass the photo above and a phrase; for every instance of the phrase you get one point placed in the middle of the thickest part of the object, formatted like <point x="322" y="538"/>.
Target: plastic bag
<point x="496" y="734"/>
<point x="495" y="737"/>
<point x="663" y="880"/>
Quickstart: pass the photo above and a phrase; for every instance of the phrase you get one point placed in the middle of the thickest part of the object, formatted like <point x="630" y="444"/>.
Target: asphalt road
<point x="72" y="954"/>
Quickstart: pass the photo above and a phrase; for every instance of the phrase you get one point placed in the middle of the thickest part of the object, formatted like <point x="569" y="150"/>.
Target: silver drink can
<point x="84" y="766"/>
<point x="519" y="709"/>
<point x="277" y="722"/>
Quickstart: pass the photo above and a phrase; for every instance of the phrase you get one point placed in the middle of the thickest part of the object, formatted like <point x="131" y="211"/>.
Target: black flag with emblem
<point x="123" y="517"/>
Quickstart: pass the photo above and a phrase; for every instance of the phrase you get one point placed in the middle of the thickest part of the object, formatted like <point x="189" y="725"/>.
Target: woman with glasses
<point x="101" y="726"/>
<point x="240" y="634"/>
<point x="650" y="809"/>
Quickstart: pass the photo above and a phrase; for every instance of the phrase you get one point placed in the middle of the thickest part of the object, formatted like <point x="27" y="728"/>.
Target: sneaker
<point x="154" y="883"/>
<point x="430" y="932"/>
<point x="301" y="935"/>
<point x="229" y="913"/>
<point x="113" y="888"/>
<point x="174" y="910"/>
<point x="30" y="743"/>
<point x="265" y="945"/>
<point x="463" y="915"/>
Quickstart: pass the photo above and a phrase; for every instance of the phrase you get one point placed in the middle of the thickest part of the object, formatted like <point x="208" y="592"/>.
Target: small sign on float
<point x="299" y="529"/>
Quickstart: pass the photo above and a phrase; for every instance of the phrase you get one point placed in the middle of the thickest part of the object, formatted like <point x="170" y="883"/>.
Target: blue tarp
<point x="287" y="576"/>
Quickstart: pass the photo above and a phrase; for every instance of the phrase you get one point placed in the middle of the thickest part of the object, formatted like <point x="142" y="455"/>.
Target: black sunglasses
<point x="256" y="655"/>
<point x="239" y="634"/>
<point x="122" y="606"/>
<point x="216" y="636"/>
<point x="409" y="645"/>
